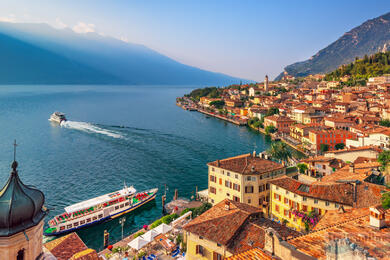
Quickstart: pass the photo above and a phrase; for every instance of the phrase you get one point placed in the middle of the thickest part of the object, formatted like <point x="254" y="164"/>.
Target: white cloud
<point x="8" y="18"/>
<point x="60" y="24"/>
<point x="84" y="27"/>
<point x="124" y="39"/>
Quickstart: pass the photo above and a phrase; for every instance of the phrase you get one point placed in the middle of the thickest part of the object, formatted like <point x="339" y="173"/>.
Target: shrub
<point x="139" y="234"/>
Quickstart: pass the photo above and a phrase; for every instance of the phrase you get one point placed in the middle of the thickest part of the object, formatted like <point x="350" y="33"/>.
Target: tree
<point x="270" y="129"/>
<point x="324" y="147"/>
<point x="386" y="200"/>
<point x="339" y="146"/>
<point x="385" y="122"/>
<point x="280" y="151"/>
<point x="384" y="159"/>
<point x="217" y="104"/>
<point x="302" y="167"/>
<point x="272" y="111"/>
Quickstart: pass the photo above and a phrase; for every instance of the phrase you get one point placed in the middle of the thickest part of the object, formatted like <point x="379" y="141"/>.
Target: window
<point x="228" y="173"/>
<point x="237" y="199"/>
<point x="285" y="201"/>
<point x="220" y="181"/>
<point x="116" y="207"/>
<point x="199" y="250"/>
<point x="213" y="190"/>
<point x="69" y="226"/>
<point x="323" y="167"/>
<point x="277" y="208"/>
<point x="200" y="237"/>
<point x="212" y="169"/>
<point x="304" y="208"/>
<point x="88" y="220"/>
<point x="267" y="186"/>
<point x="122" y="205"/>
<point x="217" y="256"/>
<point x="304" y="198"/>
<point x="336" y="205"/>
<point x="212" y="178"/>
<point x="82" y="222"/>
<point x="20" y="255"/>
<point x="315" y="201"/>
<point x="327" y="203"/>
<point x="94" y="218"/>
<point x="76" y="224"/>
<point x="100" y="216"/>
<point x="249" y="201"/>
<point x="285" y="212"/>
<point x="248" y="189"/>
<point x="62" y="227"/>
<point x="228" y="184"/>
<point x="287" y="192"/>
<point x="236" y="187"/>
<point x="126" y="204"/>
<point x="227" y="195"/>
<point x="236" y="176"/>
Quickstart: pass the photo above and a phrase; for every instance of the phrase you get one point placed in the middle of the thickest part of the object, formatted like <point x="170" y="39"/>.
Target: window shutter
<point x="238" y="187"/>
<point x="197" y="249"/>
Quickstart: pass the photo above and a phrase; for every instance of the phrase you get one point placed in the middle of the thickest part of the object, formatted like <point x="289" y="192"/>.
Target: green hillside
<point x="361" y="69"/>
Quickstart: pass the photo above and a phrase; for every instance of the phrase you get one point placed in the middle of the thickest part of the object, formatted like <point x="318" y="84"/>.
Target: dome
<point x="20" y="205"/>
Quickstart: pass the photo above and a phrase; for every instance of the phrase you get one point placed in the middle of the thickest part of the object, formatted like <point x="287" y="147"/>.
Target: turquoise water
<point x="115" y="133"/>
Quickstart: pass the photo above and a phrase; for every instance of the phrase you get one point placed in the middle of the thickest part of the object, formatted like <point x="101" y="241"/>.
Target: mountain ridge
<point x="122" y="62"/>
<point x="368" y="38"/>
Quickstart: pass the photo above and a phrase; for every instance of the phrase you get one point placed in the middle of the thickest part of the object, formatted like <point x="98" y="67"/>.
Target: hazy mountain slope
<point x="370" y="37"/>
<point x="23" y="63"/>
<point x="131" y="63"/>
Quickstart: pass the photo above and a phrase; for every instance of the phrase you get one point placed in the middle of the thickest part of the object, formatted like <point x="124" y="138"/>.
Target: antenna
<point x="15" y="144"/>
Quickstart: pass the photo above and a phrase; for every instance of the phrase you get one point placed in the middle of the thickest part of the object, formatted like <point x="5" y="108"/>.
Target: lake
<point x="134" y="134"/>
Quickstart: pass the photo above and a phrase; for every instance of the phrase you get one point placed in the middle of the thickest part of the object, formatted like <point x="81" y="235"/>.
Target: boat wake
<point x="90" y="128"/>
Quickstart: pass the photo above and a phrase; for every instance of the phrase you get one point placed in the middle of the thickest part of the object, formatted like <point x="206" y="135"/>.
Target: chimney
<point x="351" y="167"/>
<point x="227" y="205"/>
<point x="218" y="163"/>
<point x="377" y="217"/>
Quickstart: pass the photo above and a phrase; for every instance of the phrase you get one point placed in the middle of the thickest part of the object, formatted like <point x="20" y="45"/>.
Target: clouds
<point x="84" y="27"/>
<point x="8" y="18"/>
<point x="60" y="24"/>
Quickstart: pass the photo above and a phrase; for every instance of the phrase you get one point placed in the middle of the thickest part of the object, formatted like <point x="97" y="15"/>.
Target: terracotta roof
<point x="254" y="253"/>
<point x="278" y="118"/>
<point x="64" y="248"/>
<point x="239" y="229"/>
<point x="356" y="229"/>
<point x="220" y="225"/>
<point x="367" y="194"/>
<point x="354" y="149"/>
<point x="247" y="164"/>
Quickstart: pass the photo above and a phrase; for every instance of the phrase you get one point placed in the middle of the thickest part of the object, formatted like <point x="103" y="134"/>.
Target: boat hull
<point x="108" y="218"/>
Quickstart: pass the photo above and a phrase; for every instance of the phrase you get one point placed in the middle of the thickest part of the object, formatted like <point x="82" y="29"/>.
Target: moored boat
<point x="93" y="211"/>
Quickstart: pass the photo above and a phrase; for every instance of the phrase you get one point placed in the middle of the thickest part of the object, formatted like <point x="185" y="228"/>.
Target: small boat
<point x="96" y="210"/>
<point x="57" y="117"/>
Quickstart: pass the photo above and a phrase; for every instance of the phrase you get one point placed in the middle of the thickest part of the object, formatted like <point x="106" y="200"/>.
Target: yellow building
<point x="292" y="200"/>
<point x="242" y="178"/>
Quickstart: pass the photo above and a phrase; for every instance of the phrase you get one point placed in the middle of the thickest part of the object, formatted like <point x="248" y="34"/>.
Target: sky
<point x="243" y="38"/>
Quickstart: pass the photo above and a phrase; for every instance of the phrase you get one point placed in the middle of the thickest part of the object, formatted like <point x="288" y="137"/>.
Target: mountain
<point x="40" y="54"/>
<point x="370" y="37"/>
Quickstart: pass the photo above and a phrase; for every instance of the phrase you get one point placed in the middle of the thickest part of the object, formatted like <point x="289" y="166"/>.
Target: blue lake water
<point x="156" y="143"/>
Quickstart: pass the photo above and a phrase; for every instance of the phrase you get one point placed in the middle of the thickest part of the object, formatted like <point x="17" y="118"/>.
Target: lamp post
<point x="122" y="223"/>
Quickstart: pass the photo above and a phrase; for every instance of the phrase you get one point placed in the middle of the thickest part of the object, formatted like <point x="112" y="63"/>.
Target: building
<point x="242" y="178"/>
<point x="320" y="166"/>
<point x="384" y="79"/>
<point x="266" y="87"/>
<point x="301" y="205"/>
<point x="69" y="247"/>
<point x="379" y="136"/>
<point x="282" y="123"/>
<point x="329" y="138"/>
<point x="332" y="84"/>
<point x="21" y="219"/>
<point x="227" y="229"/>
<point x="338" y="122"/>
<point x="351" y="154"/>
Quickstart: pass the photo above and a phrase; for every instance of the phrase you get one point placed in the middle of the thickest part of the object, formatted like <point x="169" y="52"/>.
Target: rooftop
<point x="247" y="164"/>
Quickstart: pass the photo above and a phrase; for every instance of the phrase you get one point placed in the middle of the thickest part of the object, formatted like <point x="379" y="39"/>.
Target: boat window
<point x="126" y="204"/>
<point x="101" y="215"/>
<point x="88" y="220"/>
<point x="116" y="207"/>
<point x="82" y="222"/>
<point x="122" y="205"/>
<point x="69" y="226"/>
<point x="94" y="218"/>
<point x="62" y="227"/>
<point x="76" y="224"/>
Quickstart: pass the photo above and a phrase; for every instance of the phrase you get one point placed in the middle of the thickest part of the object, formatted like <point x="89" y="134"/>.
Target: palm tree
<point x="280" y="151"/>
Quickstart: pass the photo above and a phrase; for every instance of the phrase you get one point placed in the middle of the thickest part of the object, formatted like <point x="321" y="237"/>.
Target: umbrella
<point x="150" y="235"/>
<point x="138" y="243"/>
<point x="163" y="228"/>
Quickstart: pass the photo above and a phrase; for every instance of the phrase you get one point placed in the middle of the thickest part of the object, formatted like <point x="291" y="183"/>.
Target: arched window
<point x="20" y="255"/>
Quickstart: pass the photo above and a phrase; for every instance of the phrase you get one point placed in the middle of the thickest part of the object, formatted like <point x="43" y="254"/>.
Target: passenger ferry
<point x="57" y="117"/>
<point x="93" y="211"/>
